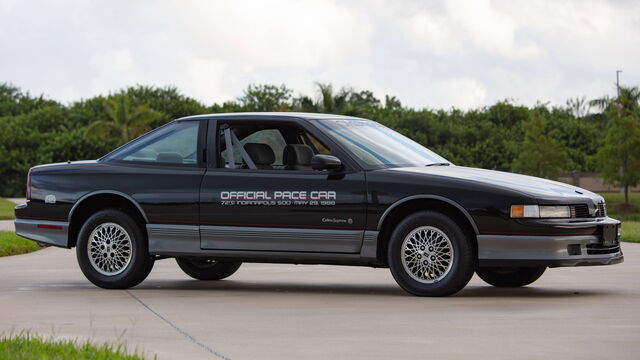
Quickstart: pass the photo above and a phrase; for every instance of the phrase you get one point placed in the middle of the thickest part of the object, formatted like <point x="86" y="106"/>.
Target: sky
<point x="429" y="54"/>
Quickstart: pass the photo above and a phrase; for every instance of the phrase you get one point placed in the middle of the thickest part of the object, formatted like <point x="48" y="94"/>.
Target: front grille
<point x="579" y="211"/>
<point x="582" y="211"/>
<point x="596" y="249"/>
<point x="602" y="210"/>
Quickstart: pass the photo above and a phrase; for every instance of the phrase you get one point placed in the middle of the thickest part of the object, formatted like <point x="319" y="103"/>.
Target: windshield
<point x="378" y="146"/>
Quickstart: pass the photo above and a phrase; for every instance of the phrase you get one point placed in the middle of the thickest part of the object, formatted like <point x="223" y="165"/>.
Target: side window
<point x="174" y="145"/>
<point x="271" y="137"/>
<point x="263" y="147"/>
<point x="315" y="143"/>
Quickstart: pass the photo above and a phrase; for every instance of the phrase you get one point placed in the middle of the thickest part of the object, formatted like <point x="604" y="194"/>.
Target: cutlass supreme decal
<point x="279" y="198"/>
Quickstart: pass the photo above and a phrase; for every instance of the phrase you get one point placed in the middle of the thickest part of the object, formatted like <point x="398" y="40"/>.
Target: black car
<point x="214" y="191"/>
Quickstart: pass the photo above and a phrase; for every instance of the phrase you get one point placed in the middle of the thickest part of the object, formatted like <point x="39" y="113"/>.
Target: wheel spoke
<point x="427" y="254"/>
<point x="109" y="249"/>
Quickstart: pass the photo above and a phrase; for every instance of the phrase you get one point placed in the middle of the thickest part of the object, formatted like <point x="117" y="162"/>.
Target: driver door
<point x="257" y="198"/>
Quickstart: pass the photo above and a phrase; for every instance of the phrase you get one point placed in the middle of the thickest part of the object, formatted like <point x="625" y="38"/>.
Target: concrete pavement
<point x="7" y="225"/>
<point x="327" y="312"/>
<point x="17" y="201"/>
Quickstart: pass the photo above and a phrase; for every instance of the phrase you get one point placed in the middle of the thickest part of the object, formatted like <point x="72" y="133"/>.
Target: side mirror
<point x="325" y="162"/>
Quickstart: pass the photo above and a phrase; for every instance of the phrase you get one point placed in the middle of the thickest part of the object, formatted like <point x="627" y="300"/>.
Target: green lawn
<point x="616" y="210"/>
<point x="631" y="231"/>
<point x="25" y="346"/>
<point x="12" y="244"/>
<point x="630" y="217"/>
<point x="6" y="209"/>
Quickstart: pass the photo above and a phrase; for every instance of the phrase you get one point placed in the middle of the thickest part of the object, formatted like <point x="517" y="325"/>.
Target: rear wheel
<point x="112" y="250"/>
<point x="510" y="276"/>
<point x="207" y="269"/>
<point x="430" y="255"/>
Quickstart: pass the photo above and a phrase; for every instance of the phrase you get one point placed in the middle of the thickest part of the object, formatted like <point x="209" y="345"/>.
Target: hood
<point x="529" y="185"/>
<point x="67" y="164"/>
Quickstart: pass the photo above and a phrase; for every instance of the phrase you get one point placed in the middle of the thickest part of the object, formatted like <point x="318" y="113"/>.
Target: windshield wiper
<point x="439" y="164"/>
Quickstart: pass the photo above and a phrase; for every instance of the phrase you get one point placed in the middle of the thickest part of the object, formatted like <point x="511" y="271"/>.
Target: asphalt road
<point x="327" y="312"/>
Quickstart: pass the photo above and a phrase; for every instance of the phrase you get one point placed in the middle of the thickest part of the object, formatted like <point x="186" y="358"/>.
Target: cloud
<point x="462" y="53"/>
<point x="464" y="27"/>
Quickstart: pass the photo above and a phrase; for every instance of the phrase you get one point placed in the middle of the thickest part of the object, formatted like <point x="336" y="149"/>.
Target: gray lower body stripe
<point x="173" y="238"/>
<point x="191" y="239"/>
<point x="281" y="239"/>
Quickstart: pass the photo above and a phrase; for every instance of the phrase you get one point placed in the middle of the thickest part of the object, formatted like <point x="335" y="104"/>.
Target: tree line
<point x="595" y="135"/>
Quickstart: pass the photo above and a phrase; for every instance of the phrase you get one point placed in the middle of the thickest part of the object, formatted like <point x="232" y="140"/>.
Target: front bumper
<point x="551" y="250"/>
<point x="54" y="233"/>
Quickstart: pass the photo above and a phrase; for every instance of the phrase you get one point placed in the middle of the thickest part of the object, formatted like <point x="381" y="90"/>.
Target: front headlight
<point x="544" y="211"/>
<point x="555" y="212"/>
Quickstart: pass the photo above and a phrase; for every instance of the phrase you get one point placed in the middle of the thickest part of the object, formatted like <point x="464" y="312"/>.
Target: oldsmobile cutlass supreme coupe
<point x="213" y="191"/>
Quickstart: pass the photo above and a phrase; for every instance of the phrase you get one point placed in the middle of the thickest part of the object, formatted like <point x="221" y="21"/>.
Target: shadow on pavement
<point x="527" y="292"/>
<point x="358" y="289"/>
<point x="177" y="286"/>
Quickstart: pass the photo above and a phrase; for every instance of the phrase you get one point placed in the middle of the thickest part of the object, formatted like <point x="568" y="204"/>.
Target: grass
<point x="631" y="231"/>
<point x="26" y="346"/>
<point x="630" y="216"/>
<point x="616" y="209"/>
<point x="12" y="244"/>
<point x="6" y="209"/>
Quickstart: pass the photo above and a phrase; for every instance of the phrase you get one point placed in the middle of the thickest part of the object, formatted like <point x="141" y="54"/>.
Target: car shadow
<point x="273" y="287"/>
<point x="527" y="292"/>
<point x="470" y="291"/>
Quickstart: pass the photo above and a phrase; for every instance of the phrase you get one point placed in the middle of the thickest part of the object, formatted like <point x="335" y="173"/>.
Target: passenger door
<point x="271" y="203"/>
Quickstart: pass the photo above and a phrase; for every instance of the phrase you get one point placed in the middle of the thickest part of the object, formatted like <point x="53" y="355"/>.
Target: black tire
<point x="207" y="269"/>
<point x="462" y="263"/>
<point x="139" y="264"/>
<point x="509" y="276"/>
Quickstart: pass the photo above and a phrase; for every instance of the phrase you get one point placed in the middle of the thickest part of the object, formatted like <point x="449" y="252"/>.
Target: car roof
<point x="271" y="116"/>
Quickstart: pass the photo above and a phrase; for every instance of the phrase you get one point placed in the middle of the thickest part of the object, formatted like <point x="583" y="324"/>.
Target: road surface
<point x="327" y="312"/>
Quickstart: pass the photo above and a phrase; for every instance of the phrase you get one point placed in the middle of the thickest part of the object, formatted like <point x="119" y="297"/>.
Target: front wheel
<point x="430" y="255"/>
<point x="112" y="250"/>
<point x="510" y="276"/>
<point x="207" y="269"/>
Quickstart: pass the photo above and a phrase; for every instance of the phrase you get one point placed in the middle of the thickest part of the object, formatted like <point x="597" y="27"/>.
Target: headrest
<point x="261" y="154"/>
<point x="297" y="154"/>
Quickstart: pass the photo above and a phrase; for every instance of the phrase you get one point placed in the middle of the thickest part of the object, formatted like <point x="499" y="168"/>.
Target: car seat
<point x="261" y="154"/>
<point x="297" y="157"/>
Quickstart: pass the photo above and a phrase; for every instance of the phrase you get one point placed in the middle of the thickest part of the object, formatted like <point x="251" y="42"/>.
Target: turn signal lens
<point x="525" y="211"/>
<point x="517" y="211"/>
<point x="535" y="211"/>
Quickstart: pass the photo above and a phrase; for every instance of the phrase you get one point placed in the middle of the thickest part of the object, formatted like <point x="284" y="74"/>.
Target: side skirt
<point x="184" y="241"/>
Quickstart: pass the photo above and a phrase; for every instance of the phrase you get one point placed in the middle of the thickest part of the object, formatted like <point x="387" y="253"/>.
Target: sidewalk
<point x="7" y="225"/>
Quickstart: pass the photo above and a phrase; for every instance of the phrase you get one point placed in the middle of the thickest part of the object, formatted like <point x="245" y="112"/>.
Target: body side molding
<point x="432" y="197"/>
<point x="165" y="238"/>
<point x="280" y="239"/>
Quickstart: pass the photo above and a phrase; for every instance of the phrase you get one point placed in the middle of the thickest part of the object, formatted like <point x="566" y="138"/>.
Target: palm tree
<point x="626" y="103"/>
<point x="124" y="121"/>
<point x="330" y="102"/>
<point x="327" y="101"/>
<point x="579" y="106"/>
